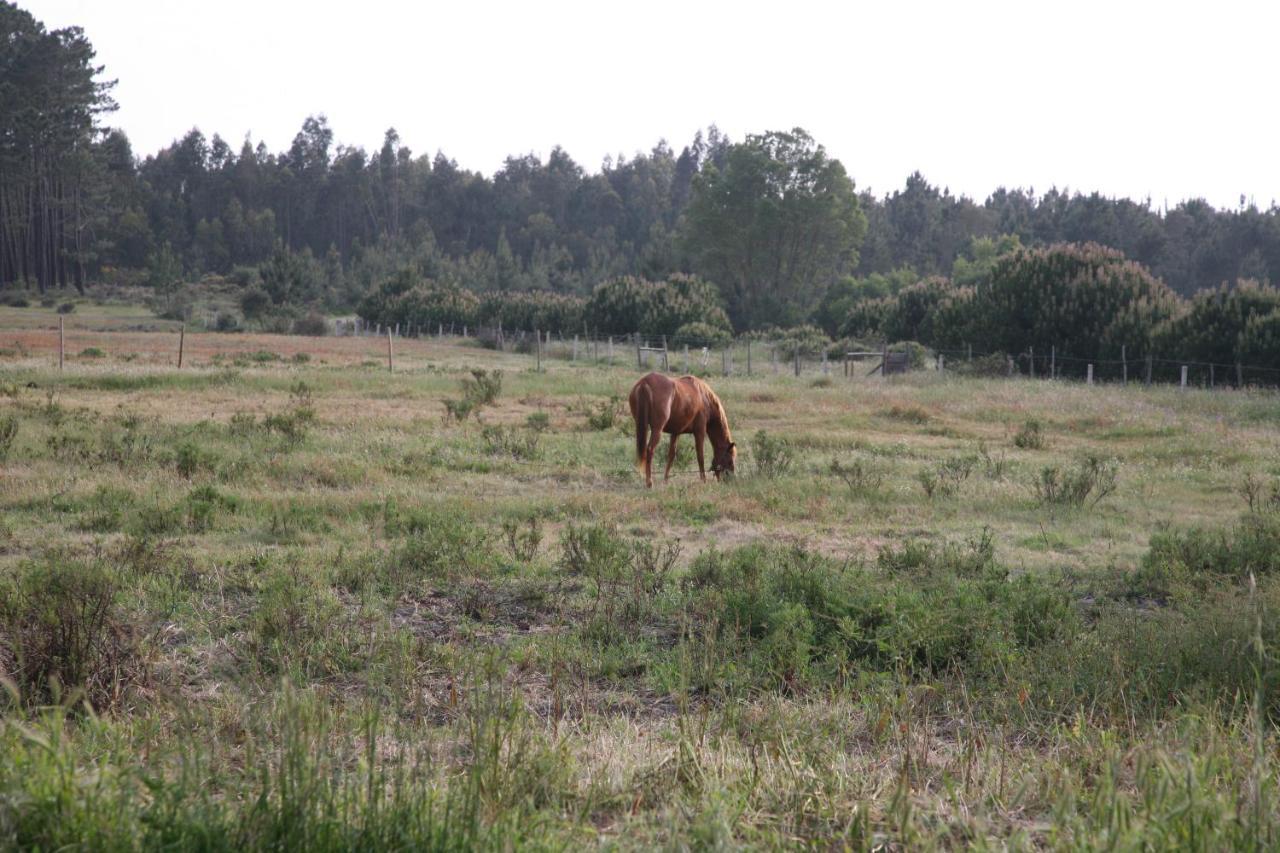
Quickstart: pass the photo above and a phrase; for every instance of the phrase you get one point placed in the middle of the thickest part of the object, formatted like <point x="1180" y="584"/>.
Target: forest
<point x="775" y="231"/>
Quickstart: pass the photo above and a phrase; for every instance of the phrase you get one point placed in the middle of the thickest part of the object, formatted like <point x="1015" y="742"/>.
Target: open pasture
<point x="314" y="603"/>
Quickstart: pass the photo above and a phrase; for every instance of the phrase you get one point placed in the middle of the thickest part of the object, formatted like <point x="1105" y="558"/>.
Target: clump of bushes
<point x="798" y="619"/>
<point x="627" y="577"/>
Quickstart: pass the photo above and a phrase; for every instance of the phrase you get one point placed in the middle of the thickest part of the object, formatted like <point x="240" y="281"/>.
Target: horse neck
<point x="718" y="425"/>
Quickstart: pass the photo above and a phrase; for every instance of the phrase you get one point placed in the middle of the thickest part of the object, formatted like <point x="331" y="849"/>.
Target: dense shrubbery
<point x="630" y="304"/>
<point x="619" y="306"/>
<point x="1088" y="301"/>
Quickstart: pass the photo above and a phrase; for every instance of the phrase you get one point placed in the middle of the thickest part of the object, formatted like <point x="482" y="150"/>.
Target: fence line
<point x="663" y="352"/>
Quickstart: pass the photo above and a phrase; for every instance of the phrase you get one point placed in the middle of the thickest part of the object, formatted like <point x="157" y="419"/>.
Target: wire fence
<point x="762" y="357"/>
<point x="799" y="358"/>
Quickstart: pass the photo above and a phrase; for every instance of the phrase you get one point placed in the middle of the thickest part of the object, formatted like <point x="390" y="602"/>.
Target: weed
<point x="858" y="476"/>
<point x="910" y="414"/>
<point x="500" y="441"/>
<point x="538" y="422"/>
<point x="190" y="458"/>
<point x="484" y="386"/>
<point x="8" y="435"/>
<point x="996" y="467"/>
<point x="946" y="478"/>
<point x="1093" y="475"/>
<point x="69" y="635"/>
<point x="523" y="539"/>
<point x="1030" y="436"/>
<point x="1253" y="489"/>
<point x="603" y="414"/>
<point x="481" y="389"/>
<point x="92" y="352"/>
<point x="773" y="456"/>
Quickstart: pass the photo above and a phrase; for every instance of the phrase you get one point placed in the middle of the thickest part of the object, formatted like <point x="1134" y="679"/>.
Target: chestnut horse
<point x="677" y="406"/>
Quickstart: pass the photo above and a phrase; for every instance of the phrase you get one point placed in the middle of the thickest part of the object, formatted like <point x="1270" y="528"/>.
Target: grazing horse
<point x="677" y="406"/>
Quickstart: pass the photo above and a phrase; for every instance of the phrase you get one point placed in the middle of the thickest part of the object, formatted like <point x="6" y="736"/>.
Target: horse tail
<point x="644" y="402"/>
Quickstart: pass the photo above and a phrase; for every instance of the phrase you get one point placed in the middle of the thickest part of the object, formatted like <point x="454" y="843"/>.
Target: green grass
<point x="291" y="605"/>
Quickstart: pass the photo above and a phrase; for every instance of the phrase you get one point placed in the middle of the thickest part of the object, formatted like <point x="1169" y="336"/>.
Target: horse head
<point x="722" y="459"/>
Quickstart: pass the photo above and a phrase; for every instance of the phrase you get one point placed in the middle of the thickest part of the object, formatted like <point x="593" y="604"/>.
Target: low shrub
<point x="503" y="441"/>
<point x="1030" y="436"/>
<point x="858" y="476"/>
<point x="945" y="478"/>
<point x="8" y="435"/>
<point x="1092" y="476"/>
<point x="772" y="456"/>
<point x="62" y="621"/>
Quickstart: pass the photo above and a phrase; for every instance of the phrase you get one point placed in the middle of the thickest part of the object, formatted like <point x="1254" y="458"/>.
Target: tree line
<point x="773" y="224"/>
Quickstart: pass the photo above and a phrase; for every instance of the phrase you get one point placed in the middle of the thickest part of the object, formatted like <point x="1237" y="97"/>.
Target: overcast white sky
<point x="1168" y="100"/>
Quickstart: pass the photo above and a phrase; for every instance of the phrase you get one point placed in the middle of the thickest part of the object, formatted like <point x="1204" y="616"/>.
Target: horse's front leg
<point x="671" y="457"/>
<point x="699" y="436"/>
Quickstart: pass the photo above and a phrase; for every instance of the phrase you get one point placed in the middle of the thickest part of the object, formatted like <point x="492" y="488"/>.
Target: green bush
<point x="629" y="304"/>
<point x="772" y="456"/>
<point x="799" y="618"/>
<point x="1092" y="476"/>
<point x="503" y="441"/>
<point x="946" y="477"/>
<point x="1030" y="436"/>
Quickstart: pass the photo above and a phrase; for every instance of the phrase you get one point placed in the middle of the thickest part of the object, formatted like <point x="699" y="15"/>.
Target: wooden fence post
<point x="61" y="340"/>
<point x="824" y="362"/>
<point x="1031" y="358"/>
<point x="1124" y="365"/>
<point x="1149" y="360"/>
<point x="724" y="361"/>
<point x="686" y="359"/>
<point x="1184" y="377"/>
<point x="1090" y="375"/>
<point x="537" y="349"/>
<point x="665" y="364"/>
<point x="797" y="358"/>
<point x="182" y="337"/>
<point x="574" y="357"/>
<point x="748" y="356"/>
<point x="1053" y="361"/>
<point x="1211" y="374"/>
<point x="884" y="362"/>
<point x="390" y="355"/>
<point x="1239" y="375"/>
<point x="639" y="360"/>
<point x="942" y="363"/>
<point x="611" y="350"/>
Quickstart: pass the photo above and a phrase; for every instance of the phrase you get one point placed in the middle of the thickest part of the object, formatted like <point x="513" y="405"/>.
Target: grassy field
<point x="284" y="598"/>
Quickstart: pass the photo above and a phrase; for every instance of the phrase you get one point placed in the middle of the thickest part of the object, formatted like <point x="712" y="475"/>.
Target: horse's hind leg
<point x="671" y="457"/>
<point x="658" y="417"/>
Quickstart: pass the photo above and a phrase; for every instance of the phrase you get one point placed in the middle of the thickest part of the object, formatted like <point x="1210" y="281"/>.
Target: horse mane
<point x="719" y="415"/>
